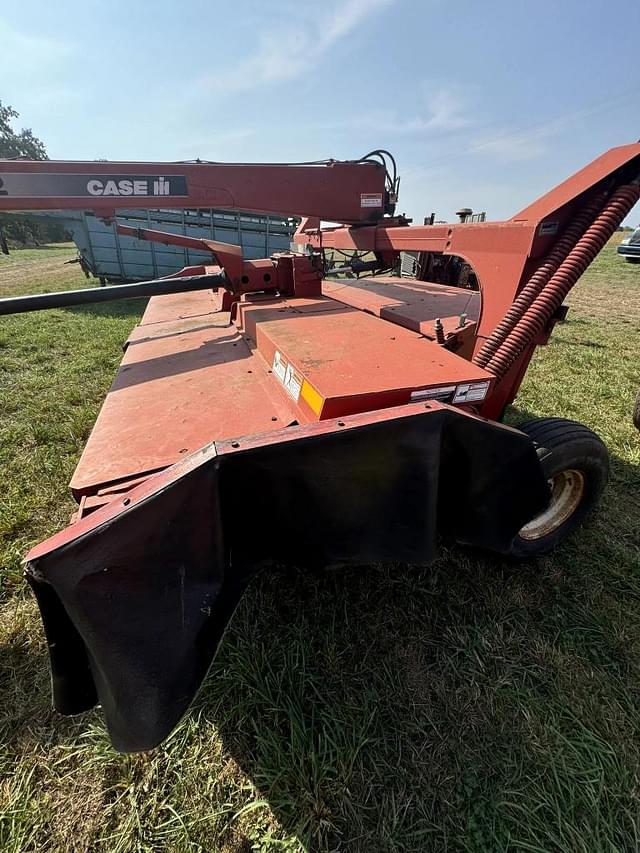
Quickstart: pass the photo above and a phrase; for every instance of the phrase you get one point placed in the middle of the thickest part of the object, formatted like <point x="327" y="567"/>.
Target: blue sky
<point x="484" y="104"/>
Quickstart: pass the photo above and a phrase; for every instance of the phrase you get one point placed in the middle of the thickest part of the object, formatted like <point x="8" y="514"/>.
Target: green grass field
<point x="475" y="705"/>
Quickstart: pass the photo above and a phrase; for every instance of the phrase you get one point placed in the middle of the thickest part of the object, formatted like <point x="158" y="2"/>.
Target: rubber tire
<point x="636" y="412"/>
<point x="562" y="444"/>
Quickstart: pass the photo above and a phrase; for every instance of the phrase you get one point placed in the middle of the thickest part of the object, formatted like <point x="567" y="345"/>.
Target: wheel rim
<point x="567" y="489"/>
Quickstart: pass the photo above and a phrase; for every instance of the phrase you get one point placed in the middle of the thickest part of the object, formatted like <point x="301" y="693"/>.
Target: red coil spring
<point x="538" y="280"/>
<point x="550" y="298"/>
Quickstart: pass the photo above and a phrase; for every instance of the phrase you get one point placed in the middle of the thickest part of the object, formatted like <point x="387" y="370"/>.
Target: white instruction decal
<point x="279" y="366"/>
<point x="290" y="378"/>
<point x="370" y="199"/>
<point x="472" y="393"/>
<point x="293" y="382"/>
<point x="442" y="393"/>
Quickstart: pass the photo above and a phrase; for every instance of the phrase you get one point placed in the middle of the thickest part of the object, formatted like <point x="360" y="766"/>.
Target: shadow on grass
<point x="27" y="719"/>
<point x="475" y="704"/>
<point x="395" y="708"/>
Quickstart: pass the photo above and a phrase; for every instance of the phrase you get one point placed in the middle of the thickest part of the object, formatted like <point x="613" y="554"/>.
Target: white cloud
<point x="532" y="142"/>
<point x="442" y="111"/>
<point x="445" y="111"/>
<point x="509" y="146"/>
<point x="516" y="146"/>
<point x="288" y="50"/>
<point x="27" y="54"/>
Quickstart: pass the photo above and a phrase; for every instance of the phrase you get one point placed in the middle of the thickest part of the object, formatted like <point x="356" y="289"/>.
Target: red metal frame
<point x="279" y="345"/>
<point x="335" y="191"/>
<point x="502" y="254"/>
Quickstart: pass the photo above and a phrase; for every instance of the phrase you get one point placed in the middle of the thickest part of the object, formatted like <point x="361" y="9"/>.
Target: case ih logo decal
<point x="130" y="186"/>
<point x="44" y="185"/>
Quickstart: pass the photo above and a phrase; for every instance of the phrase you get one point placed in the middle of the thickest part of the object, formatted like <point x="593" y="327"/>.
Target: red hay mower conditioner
<point x="272" y="410"/>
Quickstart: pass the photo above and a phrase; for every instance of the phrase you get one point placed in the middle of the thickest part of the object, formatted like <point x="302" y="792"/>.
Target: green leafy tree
<point x="23" y="143"/>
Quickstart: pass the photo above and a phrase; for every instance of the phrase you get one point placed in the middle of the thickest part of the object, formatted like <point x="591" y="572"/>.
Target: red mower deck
<point x="272" y="411"/>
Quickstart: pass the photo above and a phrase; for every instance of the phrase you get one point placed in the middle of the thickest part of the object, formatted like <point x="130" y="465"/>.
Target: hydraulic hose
<point x="550" y="298"/>
<point x="539" y="278"/>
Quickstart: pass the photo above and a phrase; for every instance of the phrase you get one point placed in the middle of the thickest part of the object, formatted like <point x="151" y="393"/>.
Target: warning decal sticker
<point x="290" y="378"/>
<point x="442" y="393"/>
<point x="472" y="393"/>
<point x="370" y="199"/>
<point x="279" y="366"/>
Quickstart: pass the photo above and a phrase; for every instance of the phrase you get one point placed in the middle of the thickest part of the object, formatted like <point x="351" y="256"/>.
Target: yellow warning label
<point x="311" y="397"/>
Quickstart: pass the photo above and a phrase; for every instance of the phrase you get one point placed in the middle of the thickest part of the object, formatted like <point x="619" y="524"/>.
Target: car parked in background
<point x="629" y="248"/>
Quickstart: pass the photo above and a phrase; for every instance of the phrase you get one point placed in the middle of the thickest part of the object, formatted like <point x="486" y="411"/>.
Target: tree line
<point x="23" y="229"/>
